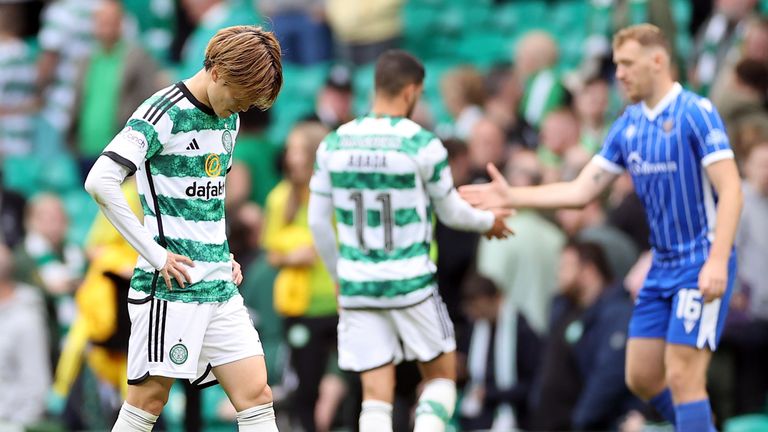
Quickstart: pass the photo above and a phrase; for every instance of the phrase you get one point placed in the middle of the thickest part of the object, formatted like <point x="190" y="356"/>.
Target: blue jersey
<point x="666" y="151"/>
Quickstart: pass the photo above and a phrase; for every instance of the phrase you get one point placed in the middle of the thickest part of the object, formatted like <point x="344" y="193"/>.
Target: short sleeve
<point x="709" y="141"/>
<point x="434" y="168"/>
<point x="321" y="179"/>
<point x="611" y="157"/>
<point x="138" y="141"/>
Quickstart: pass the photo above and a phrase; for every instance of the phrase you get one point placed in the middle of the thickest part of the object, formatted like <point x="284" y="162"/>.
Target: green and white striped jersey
<point x="181" y="152"/>
<point x="381" y="174"/>
<point x="18" y="73"/>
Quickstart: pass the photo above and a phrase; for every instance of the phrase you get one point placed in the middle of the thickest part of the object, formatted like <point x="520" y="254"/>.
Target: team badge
<point x="668" y="125"/>
<point x="226" y="141"/>
<point x="179" y="353"/>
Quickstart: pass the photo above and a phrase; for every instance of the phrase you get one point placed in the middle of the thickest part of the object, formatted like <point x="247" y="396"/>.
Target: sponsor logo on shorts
<point x="179" y="353"/>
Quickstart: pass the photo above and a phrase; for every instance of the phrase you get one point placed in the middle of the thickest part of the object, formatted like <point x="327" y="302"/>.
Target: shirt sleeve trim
<point x="607" y="165"/>
<point x="717" y="156"/>
<point x="121" y="160"/>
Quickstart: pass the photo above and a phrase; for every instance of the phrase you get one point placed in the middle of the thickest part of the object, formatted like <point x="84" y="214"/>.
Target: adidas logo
<point x="193" y="145"/>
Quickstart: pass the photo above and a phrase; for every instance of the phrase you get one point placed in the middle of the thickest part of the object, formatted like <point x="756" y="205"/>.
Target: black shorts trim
<point x="197" y="382"/>
<point x="138" y="380"/>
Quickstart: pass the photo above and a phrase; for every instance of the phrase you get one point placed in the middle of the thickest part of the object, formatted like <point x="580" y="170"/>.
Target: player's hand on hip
<point x="176" y="267"/>
<point x="713" y="278"/>
<point x="486" y="196"/>
<point x="500" y="230"/>
<point x="237" y="272"/>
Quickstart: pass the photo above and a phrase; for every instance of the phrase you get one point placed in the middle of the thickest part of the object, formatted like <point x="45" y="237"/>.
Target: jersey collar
<point x="663" y="103"/>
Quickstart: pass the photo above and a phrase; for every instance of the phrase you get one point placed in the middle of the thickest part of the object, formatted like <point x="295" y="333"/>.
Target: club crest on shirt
<point x="226" y="140"/>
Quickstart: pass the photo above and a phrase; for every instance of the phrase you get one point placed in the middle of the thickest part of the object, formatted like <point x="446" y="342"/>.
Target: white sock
<point x="132" y="419"/>
<point x="260" y="418"/>
<point x="376" y="416"/>
<point x="436" y="405"/>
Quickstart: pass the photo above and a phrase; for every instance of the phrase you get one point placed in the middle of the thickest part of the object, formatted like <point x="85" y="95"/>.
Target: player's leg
<point x="245" y="382"/>
<point x="233" y="353"/>
<point x="694" y="332"/>
<point x="645" y="372"/>
<point x="378" y="394"/>
<point x="427" y="335"/>
<point x="368" y="344"/>
<point x="143" y="405"/>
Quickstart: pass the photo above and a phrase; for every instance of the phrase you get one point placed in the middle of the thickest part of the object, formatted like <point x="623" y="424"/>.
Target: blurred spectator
<point x="747" y="330"/>
<point x="535" y="62"/>
<point x="456" y="250"/>
<point x="502" y="105"/>
<point x="118" y="76"/>
<point x="47" y="259"/>
<point x="559" y="133"/>
<point x="502" y="356"/>
<point x="522" y="264"/>
<point x="590" y="224"/>
<point x="752" y="238"/>
<point x="155" y="24"/>
<point x="245" y="227"/>
<point x="626" y="212"/>
<point x="258" y="153"/>
<point x="238" y="187"/>
<point x="12" y="208"/>
<point x="24" y="364"/>
<point x="723" y="30"/>
<point x="486" y="145"/>
<point x="463" y="93"/>
<point x="582" y="381"/>
<point x="363" y="30"/>
<point x="591" y="106"/>
<point x="300" y="27"/>
<point x="66" y="38"/>
<point x="754" y="47"/>
<point x="304" y="292"/>
<point x="333" y="106"/>
<point x="743" y="99"/>
<point x="18" y="75"/>
<point x="209" y="16"/>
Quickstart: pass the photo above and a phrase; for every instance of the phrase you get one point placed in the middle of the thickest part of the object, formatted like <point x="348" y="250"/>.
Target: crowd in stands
<point x="527" y="85"/>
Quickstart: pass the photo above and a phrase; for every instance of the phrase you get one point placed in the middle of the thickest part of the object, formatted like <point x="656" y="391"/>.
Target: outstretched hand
<point x="176" y="267"/>
<point x="488" y="195"/>
<point x="500" y="230"/>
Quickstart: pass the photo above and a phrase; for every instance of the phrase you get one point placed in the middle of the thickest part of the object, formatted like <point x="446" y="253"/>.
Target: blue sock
<point x="694" y="416"/>
<point x="663" y="404"/>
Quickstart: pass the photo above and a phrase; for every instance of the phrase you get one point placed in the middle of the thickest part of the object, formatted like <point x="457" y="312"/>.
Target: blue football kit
<point x="666" y="151"/>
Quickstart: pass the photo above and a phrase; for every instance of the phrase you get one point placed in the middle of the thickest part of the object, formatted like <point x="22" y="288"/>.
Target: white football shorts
<point x="371" y="338"/>
<point x="187" y="340"/>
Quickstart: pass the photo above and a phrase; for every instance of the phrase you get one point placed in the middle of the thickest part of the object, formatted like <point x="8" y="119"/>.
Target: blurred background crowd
<point x="527" y="85"/>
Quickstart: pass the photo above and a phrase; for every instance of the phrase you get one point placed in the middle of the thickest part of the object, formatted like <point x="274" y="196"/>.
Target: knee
<point x="644" y="384"/>
<point x="152" y="404"/>
<point x="678" y="378"/>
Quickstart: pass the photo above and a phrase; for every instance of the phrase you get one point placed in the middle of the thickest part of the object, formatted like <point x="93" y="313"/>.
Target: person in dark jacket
<point x="581" y="386"/>
<point x="502" y="355"/>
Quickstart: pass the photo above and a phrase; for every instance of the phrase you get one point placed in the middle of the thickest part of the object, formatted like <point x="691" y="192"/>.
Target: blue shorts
<point x="670" y="306"/>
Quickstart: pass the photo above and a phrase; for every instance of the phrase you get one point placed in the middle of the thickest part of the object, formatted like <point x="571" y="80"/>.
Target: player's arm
<point x="320" y="219"/>
<point x="320" y="212"/>
<point x="590" y="183"/>
<point x="130" y="148"/>
<point x="724" y="177"/>
<point x="450" y="208"/>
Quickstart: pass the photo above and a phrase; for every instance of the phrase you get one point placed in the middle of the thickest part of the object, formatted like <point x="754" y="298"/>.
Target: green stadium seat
<point x="747" y="423"/>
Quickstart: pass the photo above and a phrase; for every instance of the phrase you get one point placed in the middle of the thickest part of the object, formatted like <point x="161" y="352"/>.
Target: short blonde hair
<point x="247" y="57"/>
<point x="647" y="35"/>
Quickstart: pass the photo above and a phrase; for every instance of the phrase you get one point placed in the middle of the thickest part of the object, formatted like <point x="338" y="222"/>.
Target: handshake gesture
<point x="493" y="196"/>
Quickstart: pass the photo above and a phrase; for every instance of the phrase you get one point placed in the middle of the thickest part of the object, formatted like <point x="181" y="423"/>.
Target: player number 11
<point x="360" y="219"/>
